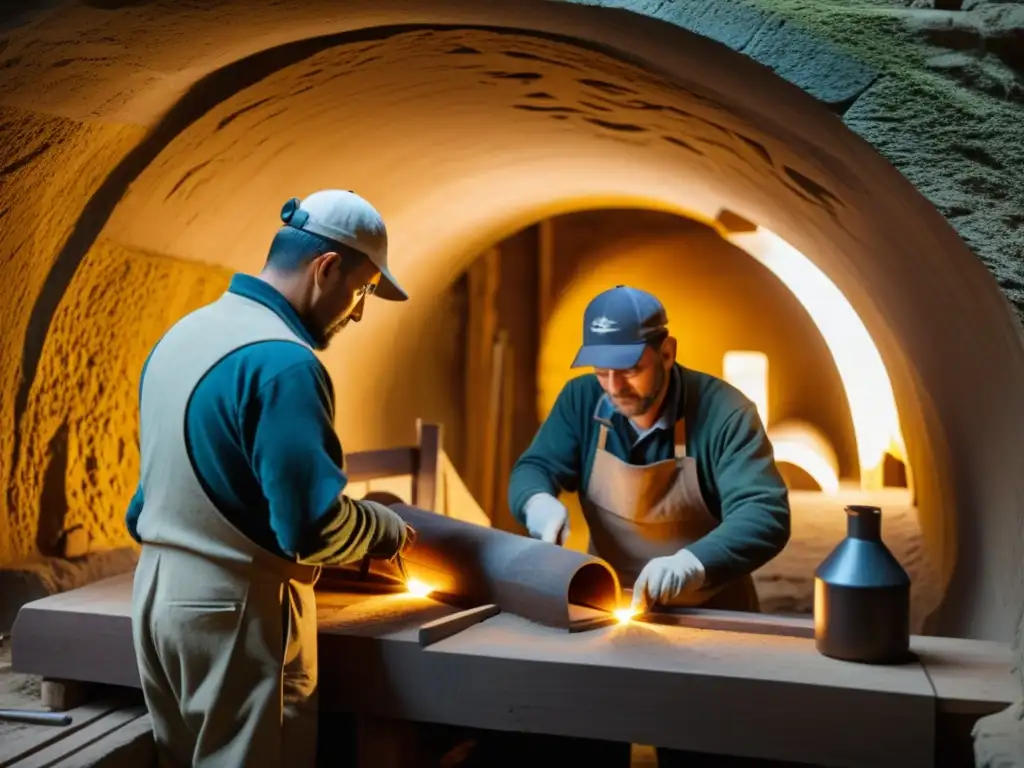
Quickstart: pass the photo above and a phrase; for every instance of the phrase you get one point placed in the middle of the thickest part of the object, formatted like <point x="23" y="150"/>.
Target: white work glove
<point x="665" y="578"/>
<point x="547" y="518"/>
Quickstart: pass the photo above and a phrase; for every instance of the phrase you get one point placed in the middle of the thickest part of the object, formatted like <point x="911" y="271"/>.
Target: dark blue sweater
<point x="260" y="432"/>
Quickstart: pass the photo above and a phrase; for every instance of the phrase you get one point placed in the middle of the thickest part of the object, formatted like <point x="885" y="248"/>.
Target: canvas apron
<point x="225" y="632"/>
<point x="637" y="513"/>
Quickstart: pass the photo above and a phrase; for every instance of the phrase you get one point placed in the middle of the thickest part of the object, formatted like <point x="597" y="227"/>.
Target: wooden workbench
<point x="714" y="691"/>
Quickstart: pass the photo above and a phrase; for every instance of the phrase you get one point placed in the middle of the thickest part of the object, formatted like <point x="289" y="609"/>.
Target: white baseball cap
<point x="346" y="218"/>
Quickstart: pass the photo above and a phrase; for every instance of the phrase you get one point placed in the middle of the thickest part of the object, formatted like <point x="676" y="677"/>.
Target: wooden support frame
<point x="422" y="462"/>
<point x="427" y="478"/>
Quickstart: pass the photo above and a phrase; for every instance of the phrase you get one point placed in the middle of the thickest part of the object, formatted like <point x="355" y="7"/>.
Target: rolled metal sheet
<point x="472" y="565"/>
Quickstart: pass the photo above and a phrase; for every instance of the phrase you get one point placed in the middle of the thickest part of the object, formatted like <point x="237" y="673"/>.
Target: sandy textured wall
<point x="78" y="457"/>
<point x="49" y="168"/>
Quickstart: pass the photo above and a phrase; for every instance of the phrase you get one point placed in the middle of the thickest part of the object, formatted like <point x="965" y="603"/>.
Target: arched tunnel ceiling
<point x="83" y="97"/>
<point x="430" y="119"/>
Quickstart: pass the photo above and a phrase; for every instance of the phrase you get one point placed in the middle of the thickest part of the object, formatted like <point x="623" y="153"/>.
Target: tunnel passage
<point x="462" y="135"/>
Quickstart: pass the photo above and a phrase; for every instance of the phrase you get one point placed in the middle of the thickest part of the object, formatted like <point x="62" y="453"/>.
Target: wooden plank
<point x="484" y="279"/>
<point x="491" y="424"/>
<point x="427" y="479"/>
<point x="130" y="746"/>
<point x="18" y="743"/>
<point x="970" y="677"/>
<point x="439" y="629"/>
<point x="367" y="465"/>
<point x="86" y="634"/>
<point x="66" y="748"/>
<point x="626" y="683"/>
<point x="82" y="634"/>
<point x="506" y="431"/>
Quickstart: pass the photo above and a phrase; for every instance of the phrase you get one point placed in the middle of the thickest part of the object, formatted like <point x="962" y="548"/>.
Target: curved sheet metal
<point x="471" y="564"/>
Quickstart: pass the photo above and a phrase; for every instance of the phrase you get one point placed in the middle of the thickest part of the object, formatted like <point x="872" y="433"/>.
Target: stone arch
<point x="897" y="260"/>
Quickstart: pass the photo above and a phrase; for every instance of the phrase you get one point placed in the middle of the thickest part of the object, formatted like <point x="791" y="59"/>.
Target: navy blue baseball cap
<point x="617" y="325"/>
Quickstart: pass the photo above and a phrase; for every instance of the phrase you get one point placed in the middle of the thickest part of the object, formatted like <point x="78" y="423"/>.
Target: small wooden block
<point x="62" y="695"/>
<point x="439" y="629"/>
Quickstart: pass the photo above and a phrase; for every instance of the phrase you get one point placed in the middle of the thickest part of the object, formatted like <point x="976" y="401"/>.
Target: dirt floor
<point x="16" y="691"/>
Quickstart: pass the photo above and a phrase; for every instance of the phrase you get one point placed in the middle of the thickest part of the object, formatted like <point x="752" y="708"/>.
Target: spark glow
<point x="418" y="588"/>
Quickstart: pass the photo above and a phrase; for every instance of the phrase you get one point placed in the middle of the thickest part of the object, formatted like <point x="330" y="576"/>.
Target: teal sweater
<point x="735" y="464"/>
<point x="259" y="429"/>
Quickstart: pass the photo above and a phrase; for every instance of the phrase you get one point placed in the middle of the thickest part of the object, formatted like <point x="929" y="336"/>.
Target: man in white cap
<point x="241" y="497"/>
<point x="674" y="471"/>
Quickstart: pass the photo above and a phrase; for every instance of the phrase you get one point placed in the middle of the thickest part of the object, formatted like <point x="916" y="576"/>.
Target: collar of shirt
<point x="605" y="411"/>
<point x="253" y="288"/>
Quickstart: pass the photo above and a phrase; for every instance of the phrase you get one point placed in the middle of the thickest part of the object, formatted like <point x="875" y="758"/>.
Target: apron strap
<point x="602" y="437"/>
<point x="680" y="438"/>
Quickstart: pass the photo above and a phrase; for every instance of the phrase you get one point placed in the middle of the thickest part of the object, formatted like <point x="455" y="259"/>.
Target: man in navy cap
<point x="241" y="496"/>
<point x="674" y="471"/>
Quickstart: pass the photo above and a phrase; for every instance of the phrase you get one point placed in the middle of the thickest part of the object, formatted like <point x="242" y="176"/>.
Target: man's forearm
<point x="349" y="531"/>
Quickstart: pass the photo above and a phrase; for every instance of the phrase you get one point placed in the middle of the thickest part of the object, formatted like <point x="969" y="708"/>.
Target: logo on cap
<point x="603" y="325"/>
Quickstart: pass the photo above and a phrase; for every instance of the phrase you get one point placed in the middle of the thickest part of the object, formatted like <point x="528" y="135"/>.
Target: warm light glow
<point x="868" y="389"/>
<point x="748" y="372"/>
<point x="803" y="446"/>
<point x="418" y="588"/>
<point x="624" y="614"/>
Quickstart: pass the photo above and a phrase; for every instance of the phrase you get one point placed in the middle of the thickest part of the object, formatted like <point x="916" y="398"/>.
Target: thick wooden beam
<point x="484" y="278"/>
<point x="621" y="683"/>
<point x="491" y="424"/>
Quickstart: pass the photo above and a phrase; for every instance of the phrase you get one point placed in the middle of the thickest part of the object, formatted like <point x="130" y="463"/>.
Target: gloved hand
<point x="665" y="578"/>
<point x="392" y="532"/>
<point x="547" y="518"/>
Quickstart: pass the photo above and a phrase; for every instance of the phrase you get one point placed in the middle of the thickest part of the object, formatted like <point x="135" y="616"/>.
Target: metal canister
<point x="862" y="596"/>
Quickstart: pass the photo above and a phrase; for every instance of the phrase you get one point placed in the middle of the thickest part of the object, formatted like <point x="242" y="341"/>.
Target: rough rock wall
<point x="49" y="168"/>
<point x="938" y="91"/>
<point x="78" y="457"/>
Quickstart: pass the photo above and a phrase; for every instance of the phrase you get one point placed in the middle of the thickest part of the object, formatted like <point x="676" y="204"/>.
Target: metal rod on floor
<point x="33" y="717"/>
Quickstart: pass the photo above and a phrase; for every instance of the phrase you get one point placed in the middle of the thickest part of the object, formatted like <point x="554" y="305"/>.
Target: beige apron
<point x="225" y="632"/>
<point x="637" y="513"/>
